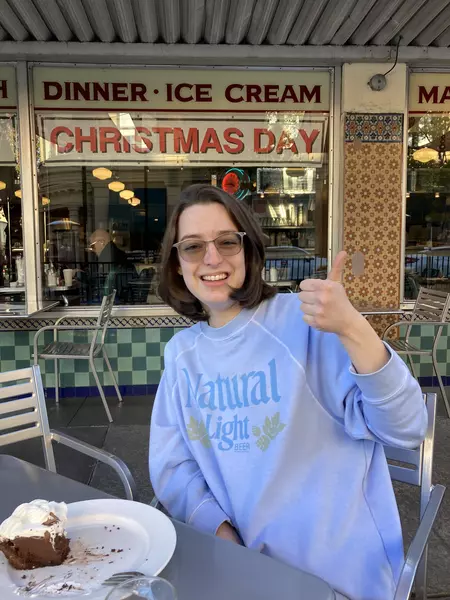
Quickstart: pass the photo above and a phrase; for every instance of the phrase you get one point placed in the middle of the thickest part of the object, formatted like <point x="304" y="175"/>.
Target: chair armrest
<point x="61" y="319"/>
<point x="414" y="324"/>
<point x="155" y="503"/>
<point x="418" y="545"/>
<point x="106" y="457"/>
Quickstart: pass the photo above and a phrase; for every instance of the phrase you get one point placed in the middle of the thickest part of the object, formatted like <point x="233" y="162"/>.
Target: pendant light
<point x="126" y="194"/>
<point x="116" y="186"/>
<point x="18" y="194"/>
<point x="134" y="201"/>
<point x="425" y="155"/>
<point x="102" y="173"/>
<point x="2" y="185"/>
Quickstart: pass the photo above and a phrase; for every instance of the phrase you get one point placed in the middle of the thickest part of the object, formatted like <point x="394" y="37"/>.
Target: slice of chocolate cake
<point x="34" y="535"/>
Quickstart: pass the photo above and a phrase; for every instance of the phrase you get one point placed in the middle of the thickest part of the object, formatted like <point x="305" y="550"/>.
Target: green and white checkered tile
<point x="136" y="357"/>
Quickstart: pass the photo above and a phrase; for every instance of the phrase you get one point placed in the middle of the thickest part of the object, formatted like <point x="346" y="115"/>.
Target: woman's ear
<point x="179" y="271"/>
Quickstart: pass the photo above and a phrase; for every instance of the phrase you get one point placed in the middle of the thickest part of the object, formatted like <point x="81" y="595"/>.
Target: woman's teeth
<point x="214" y="277"/>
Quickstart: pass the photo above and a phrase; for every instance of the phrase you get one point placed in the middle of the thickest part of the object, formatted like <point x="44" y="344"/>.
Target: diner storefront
<point x="93" y="159"/>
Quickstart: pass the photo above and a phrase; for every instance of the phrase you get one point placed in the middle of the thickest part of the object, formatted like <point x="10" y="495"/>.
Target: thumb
<point x="337" y="268"/>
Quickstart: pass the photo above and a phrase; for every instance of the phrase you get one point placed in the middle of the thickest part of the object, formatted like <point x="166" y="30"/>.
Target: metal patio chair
<point x="58" y="350"/>
<point x="432" y="309"/>
<point x="23" y="416"/>
<point x="419" y="472"/>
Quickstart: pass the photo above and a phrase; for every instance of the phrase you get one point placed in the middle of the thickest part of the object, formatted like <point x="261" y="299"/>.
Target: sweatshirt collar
<point x="231" y="328"/>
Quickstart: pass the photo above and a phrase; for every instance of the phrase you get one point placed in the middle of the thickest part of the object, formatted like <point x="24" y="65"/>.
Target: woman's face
<point x="206" y="222"/>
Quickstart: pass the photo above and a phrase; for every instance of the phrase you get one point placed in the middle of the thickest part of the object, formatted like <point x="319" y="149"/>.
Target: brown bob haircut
<point x="172" y="288"/>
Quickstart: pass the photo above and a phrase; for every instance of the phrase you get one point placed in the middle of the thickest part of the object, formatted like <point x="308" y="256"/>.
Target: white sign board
<point x="121" y="138"/>
<point x="166" y="90"/>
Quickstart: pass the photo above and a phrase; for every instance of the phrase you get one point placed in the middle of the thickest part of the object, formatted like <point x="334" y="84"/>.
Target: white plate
<point x="143" y="539"/>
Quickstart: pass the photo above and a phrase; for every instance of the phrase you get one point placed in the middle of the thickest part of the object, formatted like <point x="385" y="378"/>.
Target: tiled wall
<point x="136" y="356"/>
<point x="373" y="206"/>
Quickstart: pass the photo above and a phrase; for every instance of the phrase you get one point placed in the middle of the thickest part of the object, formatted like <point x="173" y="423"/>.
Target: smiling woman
<point x="212" y="256"/>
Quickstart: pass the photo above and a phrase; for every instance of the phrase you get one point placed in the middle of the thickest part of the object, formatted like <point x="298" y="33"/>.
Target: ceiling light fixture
<point x="425" y="155"/>
<point x="2" y="185"/>
<point x="116" y="186"/>
<point x="102" y="173"/>
<point x="45" y="201"/>
<point x="134" y="201"/>
<point x="126" y="194"/>
<point x="18" y="193"/>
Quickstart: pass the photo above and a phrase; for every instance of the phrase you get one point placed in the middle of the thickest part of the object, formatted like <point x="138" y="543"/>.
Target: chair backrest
<point x="23" y="414"/>
<point x="103" y="319"/>
<point x="431" y="305"/>
<point x="417" y="465"/>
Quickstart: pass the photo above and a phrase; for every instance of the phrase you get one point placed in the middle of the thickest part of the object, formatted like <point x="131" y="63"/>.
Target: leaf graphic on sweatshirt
<point x="263" y="443"/>
<point x="256" y="431"/>
<point x="196" y="431"/>
<point x="272" y="427"/>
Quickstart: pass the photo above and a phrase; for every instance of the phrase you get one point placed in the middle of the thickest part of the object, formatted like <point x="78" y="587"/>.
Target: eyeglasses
<point x="227" y="244"/>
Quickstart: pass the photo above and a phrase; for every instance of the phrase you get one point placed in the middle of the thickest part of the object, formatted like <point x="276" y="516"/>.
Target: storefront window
<point x="109" y="179"/>
<point x="427" y="256"/>
<point x="12" y="272"/>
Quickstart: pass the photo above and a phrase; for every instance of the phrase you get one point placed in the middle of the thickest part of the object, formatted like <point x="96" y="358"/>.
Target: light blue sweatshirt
<point x="264" y="423"/>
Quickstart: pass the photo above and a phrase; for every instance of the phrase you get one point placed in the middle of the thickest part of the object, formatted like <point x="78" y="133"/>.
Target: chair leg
<point x="413" y="368"/>
<point x="56" y="381"/>
<point x="100" y="389"/>
<point x="420" y="584"/>
<point x="441" y="385"/>
<point x="105" y="356"/>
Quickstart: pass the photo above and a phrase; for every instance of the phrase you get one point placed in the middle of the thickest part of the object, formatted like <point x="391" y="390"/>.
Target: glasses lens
<point x="192" y="249"/>
<point x="229" y="244"/>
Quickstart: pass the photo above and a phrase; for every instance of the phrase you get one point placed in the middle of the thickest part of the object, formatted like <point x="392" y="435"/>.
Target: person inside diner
<point x="269" y="421"/>
<point x="110" y="271"/>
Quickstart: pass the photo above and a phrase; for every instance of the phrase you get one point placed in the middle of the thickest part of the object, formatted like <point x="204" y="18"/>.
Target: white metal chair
<point x="23" y="416"/>
<point x="90" y="351"/>
<point x="419" y="474"/>
<point x="416" y="468"/>
<point x="432" y="309"/>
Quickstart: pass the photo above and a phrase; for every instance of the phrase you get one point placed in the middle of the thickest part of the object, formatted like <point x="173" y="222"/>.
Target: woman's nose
<point x="212" y="255"/>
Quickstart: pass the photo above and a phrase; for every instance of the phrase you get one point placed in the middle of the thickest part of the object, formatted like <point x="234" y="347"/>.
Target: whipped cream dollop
<point x="34" y="519"/>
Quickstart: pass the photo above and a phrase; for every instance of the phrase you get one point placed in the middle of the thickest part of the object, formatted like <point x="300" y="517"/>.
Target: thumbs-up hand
<point x="325" y="304"/>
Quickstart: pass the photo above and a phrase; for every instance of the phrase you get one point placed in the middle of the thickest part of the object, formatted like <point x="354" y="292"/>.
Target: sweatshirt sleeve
<point x="386" y="406"/>
<point x="175" y="475"/>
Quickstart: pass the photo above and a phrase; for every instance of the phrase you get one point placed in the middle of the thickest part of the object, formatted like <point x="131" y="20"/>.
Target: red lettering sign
<point x="211" y="142"/>
<point x="185" y="144"/>
<point x="425" y="96"/>
<point x="54" y="139"/>
<point x="52" y="90"/>
<point x="232" y="135"/>
<point x="3" y="89"/>
<point x="270" y="145"/>
<point x="138" y="137"/>
<point x="309" y="139"/>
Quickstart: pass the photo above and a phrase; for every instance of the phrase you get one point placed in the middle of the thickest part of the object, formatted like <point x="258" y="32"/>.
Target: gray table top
<point x="202" y="567"/>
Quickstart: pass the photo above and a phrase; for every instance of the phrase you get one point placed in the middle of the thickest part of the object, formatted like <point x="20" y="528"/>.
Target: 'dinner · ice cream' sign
<point x="166" y="116"/>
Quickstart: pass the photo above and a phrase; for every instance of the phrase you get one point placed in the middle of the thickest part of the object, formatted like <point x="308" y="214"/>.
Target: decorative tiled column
<point x="373" y="209"/>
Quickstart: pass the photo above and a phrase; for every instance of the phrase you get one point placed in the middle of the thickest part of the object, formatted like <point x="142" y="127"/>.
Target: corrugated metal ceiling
<point x="252" y="22"/>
